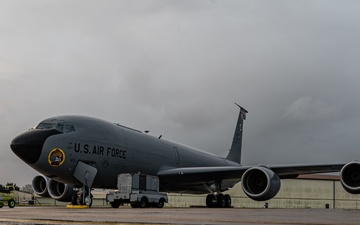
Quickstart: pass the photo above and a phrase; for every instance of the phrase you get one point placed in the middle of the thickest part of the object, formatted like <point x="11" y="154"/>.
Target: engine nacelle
<point x="39" y="184"/>
<point x="60" y="191"/>
<point x="260" y="183"/>
<point x="350" y="177"/>
<point x="43" y="186"/>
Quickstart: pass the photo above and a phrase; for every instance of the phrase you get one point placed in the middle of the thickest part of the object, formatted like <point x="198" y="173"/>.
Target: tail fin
<point x="235" y="150"/>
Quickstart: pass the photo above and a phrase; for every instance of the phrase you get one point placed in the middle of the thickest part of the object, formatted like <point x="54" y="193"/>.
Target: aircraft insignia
<point x="56" y="157"/>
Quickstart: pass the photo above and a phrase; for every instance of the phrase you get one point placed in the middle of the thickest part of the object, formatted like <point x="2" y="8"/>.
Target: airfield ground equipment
<point x="7" y="195"/>
<point x="139" y="190"/>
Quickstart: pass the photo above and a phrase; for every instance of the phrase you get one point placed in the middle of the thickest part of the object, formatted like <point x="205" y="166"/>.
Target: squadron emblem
<point x="56" y="157"/>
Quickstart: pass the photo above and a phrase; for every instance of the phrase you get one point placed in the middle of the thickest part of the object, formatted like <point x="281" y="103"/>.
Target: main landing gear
<point x="218" y="201"/>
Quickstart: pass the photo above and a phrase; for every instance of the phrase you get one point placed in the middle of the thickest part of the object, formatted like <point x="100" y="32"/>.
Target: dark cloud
<point x="176" y="67"/>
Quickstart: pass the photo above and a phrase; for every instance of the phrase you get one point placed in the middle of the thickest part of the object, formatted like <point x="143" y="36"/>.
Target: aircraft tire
<point x="221" y="201"/>
<point x="88" y="201"/>
<point x="74" y="199"/>
<point x="11" y="203"/>
<point x="143" y="202"/>
<point x="80" y="200"/>
<point x="1" y="204"/>
<point x="134" y="205"/>
<point x="210" y="198"/>
<point x="227" y="200"/>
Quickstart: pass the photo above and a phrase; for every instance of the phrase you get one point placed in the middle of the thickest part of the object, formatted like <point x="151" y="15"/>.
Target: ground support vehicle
<point x="6" y="196"/>
<point x="139" y="190"/>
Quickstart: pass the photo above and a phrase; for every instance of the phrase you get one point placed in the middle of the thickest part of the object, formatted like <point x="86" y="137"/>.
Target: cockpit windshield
<point x="44" y="125"/>
<point x="59" y="125"/>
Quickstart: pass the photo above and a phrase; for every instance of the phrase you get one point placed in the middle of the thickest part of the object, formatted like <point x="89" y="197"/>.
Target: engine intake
<point x="60" y="191"/>
<point x="43" y="186"/>
<point x="350" y="177"/>
<point x="39" y="184"/>
<point x="260" y="183"/>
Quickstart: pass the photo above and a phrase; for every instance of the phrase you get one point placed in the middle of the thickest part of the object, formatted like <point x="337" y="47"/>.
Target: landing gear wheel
<point x="134" y="205"/>
<point x="88" y="200"/>
<point x="1" y="204"/>
<point x="221" y="201"/>
<point x="75" y="199"/>
<point x="83" y="197"/>
<point x="210" y="200"/>
<point x="143" y="202"/>
<point x="11" y="203"/>
<point x="227" y="200"/>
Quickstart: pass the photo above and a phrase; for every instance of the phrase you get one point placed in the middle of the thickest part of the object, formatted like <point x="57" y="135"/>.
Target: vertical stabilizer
<point x="235" y="150"/>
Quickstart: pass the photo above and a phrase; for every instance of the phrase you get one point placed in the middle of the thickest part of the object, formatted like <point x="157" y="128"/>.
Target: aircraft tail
<point x="235" y="150"/>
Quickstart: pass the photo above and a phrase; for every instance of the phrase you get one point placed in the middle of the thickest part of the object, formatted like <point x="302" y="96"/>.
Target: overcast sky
<point x="177" y="67"/>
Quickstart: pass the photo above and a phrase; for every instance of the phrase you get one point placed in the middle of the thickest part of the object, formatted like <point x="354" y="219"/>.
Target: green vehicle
<point x="6" y="196"/>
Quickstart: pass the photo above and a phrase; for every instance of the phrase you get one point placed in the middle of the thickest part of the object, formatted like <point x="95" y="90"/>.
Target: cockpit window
<point x="69" y="128"/>
<point x="58" y="125"/>
<point x="44" y="125"/>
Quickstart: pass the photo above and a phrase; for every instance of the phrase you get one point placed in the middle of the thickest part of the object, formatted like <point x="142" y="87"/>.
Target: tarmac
<point x="178" y="216"/>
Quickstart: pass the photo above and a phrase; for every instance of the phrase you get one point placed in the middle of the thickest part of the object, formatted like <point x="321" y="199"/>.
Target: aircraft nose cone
<point x="28" y="146"/>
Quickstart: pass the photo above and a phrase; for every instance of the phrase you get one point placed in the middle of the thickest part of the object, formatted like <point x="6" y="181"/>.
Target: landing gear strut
<point x="218" y="201"/>
<point x="82" y="196"/>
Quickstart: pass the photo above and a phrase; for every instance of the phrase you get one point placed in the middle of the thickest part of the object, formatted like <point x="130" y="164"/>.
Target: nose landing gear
<point x="85" y="173"/>
<point x="82" y="197"/>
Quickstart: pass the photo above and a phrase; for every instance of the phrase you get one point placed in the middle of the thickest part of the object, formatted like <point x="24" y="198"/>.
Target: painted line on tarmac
<point x="67" y="222"/>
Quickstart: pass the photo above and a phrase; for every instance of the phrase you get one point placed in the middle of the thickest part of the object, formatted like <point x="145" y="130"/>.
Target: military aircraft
<point x="75" y="154"/>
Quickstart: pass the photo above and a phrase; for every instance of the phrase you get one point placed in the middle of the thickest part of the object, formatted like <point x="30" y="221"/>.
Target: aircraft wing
<point x="290" y="171"/>
<point x="202" y="174"/>
<point x="216" y="174"/>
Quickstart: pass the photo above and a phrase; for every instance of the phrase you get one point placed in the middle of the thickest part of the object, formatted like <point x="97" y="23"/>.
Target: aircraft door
<point x="85" y="173"/>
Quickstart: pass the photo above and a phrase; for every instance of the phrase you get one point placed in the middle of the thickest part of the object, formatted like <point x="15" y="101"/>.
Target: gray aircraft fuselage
<point x="112" y="149"/>
<point x="85" y="153"/>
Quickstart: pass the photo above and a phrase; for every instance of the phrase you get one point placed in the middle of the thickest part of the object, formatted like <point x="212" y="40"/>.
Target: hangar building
<point x="308" y="191"/>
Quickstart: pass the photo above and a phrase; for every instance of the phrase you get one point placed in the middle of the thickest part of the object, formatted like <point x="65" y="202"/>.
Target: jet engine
<point x="260" y="183"/>
<point x="39" y="184"/>
<point x="46" y="187"/>
<point x="350" y="177"/>
<point x="60" y="191"/>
